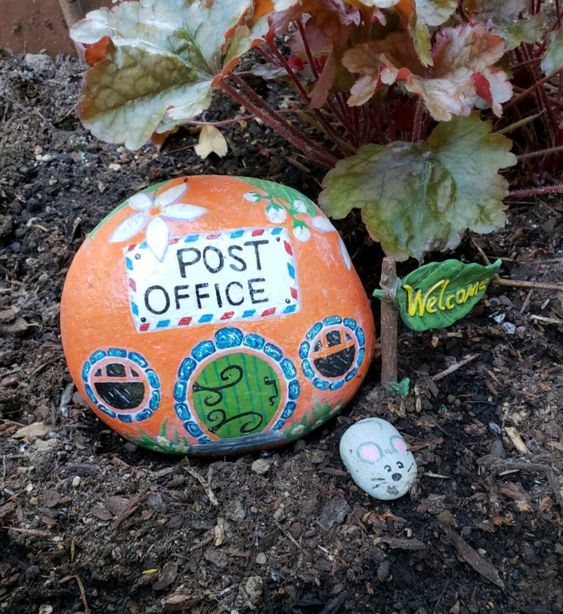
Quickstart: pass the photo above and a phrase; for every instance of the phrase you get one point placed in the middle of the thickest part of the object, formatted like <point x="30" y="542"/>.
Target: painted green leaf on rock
<point x="417" y="197"/>
<point x="439" y="293"/>
<point x="160" y="66"/>
<point x="282" y="192"/>
<point x="553" y="58"/>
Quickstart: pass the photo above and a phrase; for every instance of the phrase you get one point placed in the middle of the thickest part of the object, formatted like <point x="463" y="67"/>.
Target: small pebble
<point x="383" y="570"/>
<point x="508" y="328"/>
<point x="76" y="481"/>
<point x="261" y="466"/>
<point x="254" y="587"/>
<point x="497" y="449"/>
<point x="261" y="558"/>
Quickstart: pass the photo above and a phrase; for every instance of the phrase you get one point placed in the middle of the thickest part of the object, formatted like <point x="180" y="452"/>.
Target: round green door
<point x="236" y="394"/>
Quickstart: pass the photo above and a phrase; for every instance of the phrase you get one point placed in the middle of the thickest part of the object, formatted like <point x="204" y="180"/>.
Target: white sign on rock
<point x="212" y="277"/>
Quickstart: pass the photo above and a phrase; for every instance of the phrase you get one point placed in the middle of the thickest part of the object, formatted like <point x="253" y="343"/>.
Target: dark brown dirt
<point x="89" y="523"/>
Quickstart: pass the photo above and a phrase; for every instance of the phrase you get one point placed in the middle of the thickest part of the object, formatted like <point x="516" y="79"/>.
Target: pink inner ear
<point x="398" y="444"/>
<point x="369" y="452"/>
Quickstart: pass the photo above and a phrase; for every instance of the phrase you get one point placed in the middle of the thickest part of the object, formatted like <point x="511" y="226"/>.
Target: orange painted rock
<point x="208" y="315"/>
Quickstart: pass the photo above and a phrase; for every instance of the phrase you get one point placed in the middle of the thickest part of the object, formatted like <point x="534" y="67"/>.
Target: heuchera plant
<point x="412" y="99"/>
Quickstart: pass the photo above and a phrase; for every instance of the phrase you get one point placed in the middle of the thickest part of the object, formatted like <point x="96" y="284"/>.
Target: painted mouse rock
<point x="378" y="459"/>
<point x="208" y="315"/>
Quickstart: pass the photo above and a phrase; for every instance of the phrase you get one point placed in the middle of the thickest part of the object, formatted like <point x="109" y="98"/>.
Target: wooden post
<point x="389" y="323"/>
<point x="72" y="12"/>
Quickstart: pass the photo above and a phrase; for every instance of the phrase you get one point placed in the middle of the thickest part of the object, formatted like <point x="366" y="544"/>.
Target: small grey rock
<point x="40" y="62"/>
<point x="261" y="466"/>
<point x="334" y="513"/>
<point x="383" y="570"/>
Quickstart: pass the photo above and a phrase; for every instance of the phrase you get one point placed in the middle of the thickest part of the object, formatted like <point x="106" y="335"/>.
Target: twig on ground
<point x="498" y="466"/>
<point x="82" y="594"/>
<point x="335" y="604"/>
<point x="547" y="320"/>
<point x="400" y="543"/>
<point x="288" y="535"/>
<point x="472" y="558"/>
<point x="518" y="283"/>
<point x="204" y="484"/>
<point x="81" y="590"/>
<point x="130" y="508"/>
<point x="454" y="367"/>
<point x="66" y="398"/>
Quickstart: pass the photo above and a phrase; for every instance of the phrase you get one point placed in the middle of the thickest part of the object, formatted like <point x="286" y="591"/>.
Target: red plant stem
<point x="548" y="104"/>
<point x="375" y="132"/>
<point x="265" y="113"/>
<point x="315" y="71"/>
<point x="239" y="118"/>
<point x="417" y="122"/>
<point x="276" y="57"/>
<point x="531" y="89"/>
<point x="349" y="115"/>
<point x="337" y="107"/>
<point x="365" y="123"/>
<point x="526" y="63"/>
<point x="548" y="189"/>
<point x="541" y="152"/>
<point x="369" y="22"/>
<point x="308" y="53"/>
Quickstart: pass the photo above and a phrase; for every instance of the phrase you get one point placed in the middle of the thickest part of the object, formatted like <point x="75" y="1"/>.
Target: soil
<point x="89" y="523"/>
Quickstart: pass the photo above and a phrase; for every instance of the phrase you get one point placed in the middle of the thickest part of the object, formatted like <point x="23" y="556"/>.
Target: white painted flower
<point x="275" y="214"/>
<point x="322" y="224"/>
<point x="344" y="253"/>
<point x="297" y="430"/>
<point x="162" y="441"/>
<point x="302" y="233"/>
<point x="252" y="197"/>
<point x="300" y="206"/>
<point x="151" y="212"/>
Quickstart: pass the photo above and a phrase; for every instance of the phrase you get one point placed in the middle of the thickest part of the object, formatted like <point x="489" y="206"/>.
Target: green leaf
<point x="473" y="156"/>
<point x="403" y="191"/>
<point x="439" y="293"/>
<point x="417" y="197"/>
<point x="160" y="66"/>
<point x="498" y="11"/>
<point x="422" y="42"/>
<point x="510" y="19"/>
<point x="435" y="12"/>
<point x="400" y="389"/>
<point x="522" y="31"/>
<point x="281" y="192"/>
<point x="428" y="13"/>
<point x="553" y="58"/>
<point x="127" y="95"/>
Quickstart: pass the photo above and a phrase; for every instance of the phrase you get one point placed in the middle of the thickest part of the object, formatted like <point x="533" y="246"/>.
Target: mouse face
<point x="378" y="458"/>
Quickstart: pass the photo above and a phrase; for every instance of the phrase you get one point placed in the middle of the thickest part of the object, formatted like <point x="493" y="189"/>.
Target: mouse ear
<point x="398" y="444"/>
<point x="369" y="452"/>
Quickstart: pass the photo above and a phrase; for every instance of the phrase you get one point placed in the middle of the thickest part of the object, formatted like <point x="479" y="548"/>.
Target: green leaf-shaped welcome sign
<point x="439" y="293"/>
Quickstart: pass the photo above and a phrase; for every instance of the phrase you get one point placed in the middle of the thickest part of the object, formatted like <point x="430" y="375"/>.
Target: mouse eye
<point x="400" y="465"/>
<point x="387" y="468"/>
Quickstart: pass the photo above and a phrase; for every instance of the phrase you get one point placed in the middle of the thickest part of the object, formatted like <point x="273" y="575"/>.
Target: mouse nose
<point x="396" y="477"/>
